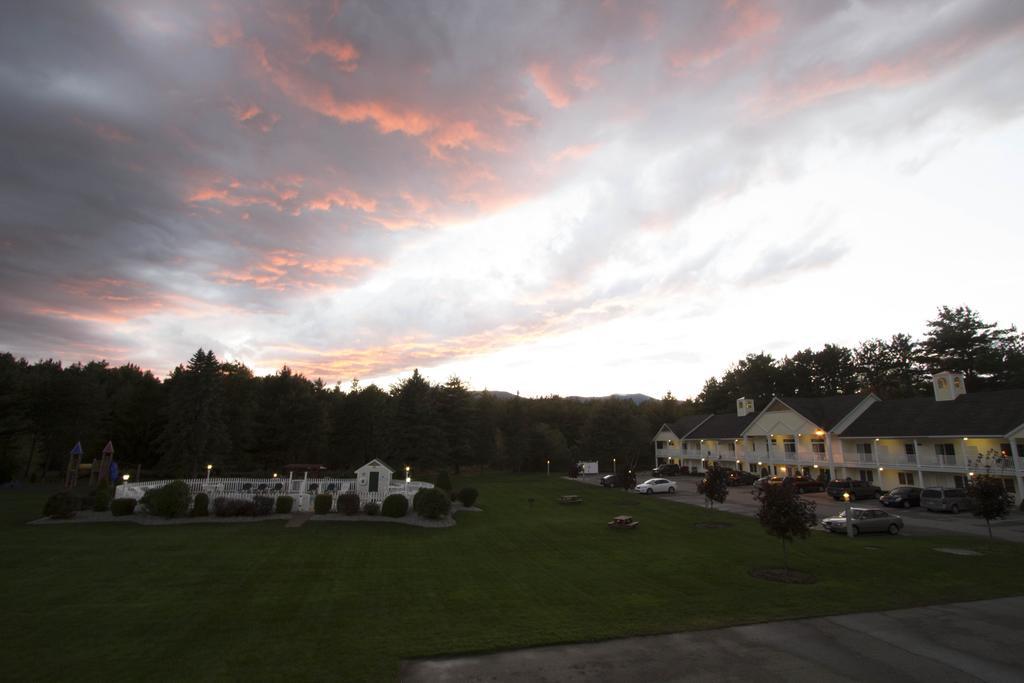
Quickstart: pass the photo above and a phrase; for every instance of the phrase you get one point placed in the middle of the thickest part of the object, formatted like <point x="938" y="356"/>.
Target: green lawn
<point x="349" y="601"/>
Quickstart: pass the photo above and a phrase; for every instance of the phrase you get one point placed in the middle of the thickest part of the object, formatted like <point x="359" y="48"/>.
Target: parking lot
<point x="918" y="521"/>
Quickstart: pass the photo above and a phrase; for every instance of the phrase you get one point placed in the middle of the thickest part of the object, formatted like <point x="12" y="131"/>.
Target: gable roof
<point x="824" y="411"/>
<point x="987" y="413"/>
<point x="683" y="425"/>
<point x="376" y="462"/>
<point x="724" y="426"/>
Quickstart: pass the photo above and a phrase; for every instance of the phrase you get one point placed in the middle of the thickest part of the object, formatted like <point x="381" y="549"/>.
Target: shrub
<point x="432" y="503"/>
<point x="284" y="505"/>
<point x="101" y="500"/>
<point x="322" y="503"/>
<point x="233" y="507"/>
<point x="443" y="481"/>
<point x="395" y="505"/>
<point x="120" y="507"/>
<point x="417" y="497"/>
<point x="61" y="505"/>
<point x="468" y="496"/>
<point x="372" y="508"/>
<point x="201" y="505"/>
<point x="348" y="503"/>
<point x="264" y="505"/>
<point x="171" y="500"/>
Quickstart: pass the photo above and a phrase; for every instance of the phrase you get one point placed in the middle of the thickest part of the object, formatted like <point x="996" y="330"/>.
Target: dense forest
<point x="209" y="411"/>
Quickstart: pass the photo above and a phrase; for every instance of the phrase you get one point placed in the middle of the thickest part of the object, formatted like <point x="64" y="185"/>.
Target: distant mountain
<point x="635" y="398"/>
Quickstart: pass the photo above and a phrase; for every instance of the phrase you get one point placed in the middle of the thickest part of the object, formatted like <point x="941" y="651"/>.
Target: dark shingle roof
<point x="725" y="426"/>
<point x="824" y="411"/>
<point x="988" y="413"/>
<point x="685" y="425"/>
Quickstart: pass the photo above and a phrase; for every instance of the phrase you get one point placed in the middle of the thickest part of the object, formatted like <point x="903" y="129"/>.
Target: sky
<point x="574" y="198"/>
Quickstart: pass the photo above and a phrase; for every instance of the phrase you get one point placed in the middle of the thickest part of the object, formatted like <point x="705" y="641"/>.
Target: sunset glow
<point x="572" y="198"/>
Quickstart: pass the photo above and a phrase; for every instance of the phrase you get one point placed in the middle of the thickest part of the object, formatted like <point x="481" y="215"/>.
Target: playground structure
<point x="102" y="469"/>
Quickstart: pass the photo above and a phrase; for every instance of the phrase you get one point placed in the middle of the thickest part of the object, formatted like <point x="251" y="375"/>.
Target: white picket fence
<point x="302" y="490"/>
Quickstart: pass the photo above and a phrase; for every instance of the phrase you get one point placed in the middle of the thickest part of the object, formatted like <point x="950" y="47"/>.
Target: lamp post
<point x="208" y="469"/>
<point x="124" y="478"/>
<point x="614" y="468"/>
<point x="849" y="519"/>
<point x="408" y="479"/>
<point x="549" y="468"/>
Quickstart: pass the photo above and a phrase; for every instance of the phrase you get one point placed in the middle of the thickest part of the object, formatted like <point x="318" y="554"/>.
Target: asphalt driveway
<point x="918" y="521"/>
<point x="971" y="641"/>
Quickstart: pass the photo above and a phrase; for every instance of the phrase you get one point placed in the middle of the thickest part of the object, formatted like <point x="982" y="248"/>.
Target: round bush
<point x="171" y="500"/>
<point x="348" y="503"/>
<point x="201" y="505"/>
<point x="101" y="501"/>
<point x="371" y="508"/>
<point x="61" y="505"/>
<point x="284" y="505"/>
<point x="432" y="503"/>
<point x="322" y="503"/>
<point x="120" y="507"/>
<point x="264" y="505"/>
<point x="395" y="505"/>
<point x="468" y="496"/>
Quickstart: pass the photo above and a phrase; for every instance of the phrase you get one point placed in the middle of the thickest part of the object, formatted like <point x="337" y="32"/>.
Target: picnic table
<point x="623" y="522"/>
<point x="570" y="500"/>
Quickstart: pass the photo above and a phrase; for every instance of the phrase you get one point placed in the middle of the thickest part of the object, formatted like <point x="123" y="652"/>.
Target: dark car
<point x="611" y="480"/>
<point x="737" y="478"/>
<point x="902" y="497"/>
<point x="666" y="470"/>
<point x="804" y="484"/>
<point x="858" y="489"/>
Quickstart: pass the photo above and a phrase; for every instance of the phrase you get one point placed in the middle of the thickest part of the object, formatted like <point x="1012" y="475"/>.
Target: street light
<point x="407" y="477"/>
<point x="208" y="469"/>
<point x="849" y="519"/>
<point x="549" y="468"/>
<point x="124" y="478"/>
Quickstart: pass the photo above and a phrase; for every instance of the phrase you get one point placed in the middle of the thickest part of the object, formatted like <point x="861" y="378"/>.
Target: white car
<point x="657" y="486"/>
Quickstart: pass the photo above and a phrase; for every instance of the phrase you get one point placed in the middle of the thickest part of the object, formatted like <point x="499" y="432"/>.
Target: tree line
<point x="209" y="411"/>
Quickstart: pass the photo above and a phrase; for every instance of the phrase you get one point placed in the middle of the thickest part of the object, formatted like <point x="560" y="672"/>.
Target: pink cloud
<point x="555" y="93"/>
<point x="283" y="270"/>
<point x="574" y="152"/>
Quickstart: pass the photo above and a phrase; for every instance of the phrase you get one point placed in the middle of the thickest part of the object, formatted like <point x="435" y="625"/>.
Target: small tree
<point x="714" y="486"/>
<point x="443" y="481"/>
<point x="991" y="500"/>
<point x="785" y="515"/>
<point x="629" y="480"/>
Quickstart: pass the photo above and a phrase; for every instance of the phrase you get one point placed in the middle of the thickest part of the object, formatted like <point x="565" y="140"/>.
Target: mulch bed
<point x="781" y="575"/>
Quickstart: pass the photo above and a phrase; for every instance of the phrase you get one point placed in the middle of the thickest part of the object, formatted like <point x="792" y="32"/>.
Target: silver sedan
<point x="865" y="520"/>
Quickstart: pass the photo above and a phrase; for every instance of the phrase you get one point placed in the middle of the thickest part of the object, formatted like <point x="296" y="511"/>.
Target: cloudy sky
<point x="572" y="198"/>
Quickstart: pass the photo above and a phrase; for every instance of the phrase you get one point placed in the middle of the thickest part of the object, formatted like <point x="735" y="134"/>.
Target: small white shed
<point x="373" y="479"/>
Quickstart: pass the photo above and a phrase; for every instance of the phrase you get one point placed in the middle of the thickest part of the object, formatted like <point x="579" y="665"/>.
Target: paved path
<point x="919" y="522"/>
<point x="969" y="641"/>
<point x="298" y="519"/>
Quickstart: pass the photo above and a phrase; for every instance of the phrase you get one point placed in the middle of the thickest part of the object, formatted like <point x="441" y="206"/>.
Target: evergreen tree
<point x="195" y="433"/>
<point x="959" y="340"/>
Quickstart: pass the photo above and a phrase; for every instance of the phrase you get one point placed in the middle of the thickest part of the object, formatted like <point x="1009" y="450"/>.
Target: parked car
<point x="737" y="478"/>
<point x="938" y="499"/>
<point x="804" y="484"/>
<point x="666" y="470"/>
<point x="657" y="486"/>
<point x="611" y="480"/>
<point x="767" y="481"/>
<point x="902" y="496"/>
<point x="864" y="521"/>
<point x="858" y="489"/>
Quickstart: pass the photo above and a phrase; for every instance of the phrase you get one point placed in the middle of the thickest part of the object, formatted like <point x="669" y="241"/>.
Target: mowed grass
<point x="349" y="601"/>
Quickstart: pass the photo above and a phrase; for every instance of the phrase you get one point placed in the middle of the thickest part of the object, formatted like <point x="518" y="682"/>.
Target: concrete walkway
<point x="970" y="641"/>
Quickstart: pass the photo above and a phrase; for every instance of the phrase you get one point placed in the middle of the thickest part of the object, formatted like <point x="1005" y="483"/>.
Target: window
<point x="909" y="449"/>
<point x="867" y="475"/>
<point x="946" y="452"/>
<point x="864" y="452"/>
<point x="906" y="478"/>
<point x="1005" y="449"/>
<point x="960" y="481"/>
<point x="817" y="445"/>
<point x="789" y="445"/>
<point x="661" y="445"/>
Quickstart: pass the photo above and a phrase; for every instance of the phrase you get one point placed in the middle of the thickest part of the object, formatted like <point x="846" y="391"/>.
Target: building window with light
<point x="947" y="453"/>
<point x="789" y="445"/>
<point x="817" y="445"/>
<point x="906" y="478"/>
